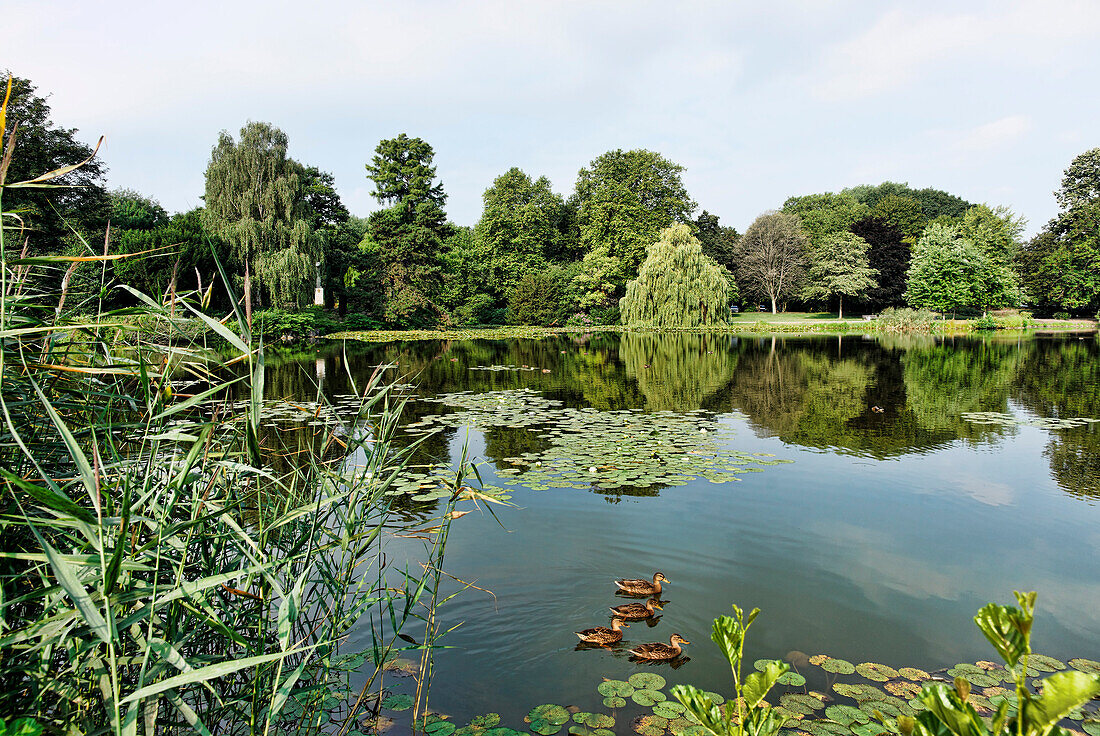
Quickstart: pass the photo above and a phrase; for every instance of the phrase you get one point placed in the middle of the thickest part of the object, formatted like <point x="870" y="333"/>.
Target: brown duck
<point x="637" y="611"/>
<point x="672" y="650"/>
<point x="602" y="634"/>
<point x="637" y="586"/>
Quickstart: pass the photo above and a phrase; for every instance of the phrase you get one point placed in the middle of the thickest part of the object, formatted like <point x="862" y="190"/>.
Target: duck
<point x="672" y="650"/>
<point x="637" y="586"/>
<point x="602" y="634"/>
<point x="637" y="611"/>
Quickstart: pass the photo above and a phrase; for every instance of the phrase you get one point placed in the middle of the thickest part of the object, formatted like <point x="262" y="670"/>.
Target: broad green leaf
<point x="757" y="684"/>
<point x="699" y="704"/>
<point x="1007" y="628"/>
<point x="1062" y="692"/>
<point x="958" y="717"/>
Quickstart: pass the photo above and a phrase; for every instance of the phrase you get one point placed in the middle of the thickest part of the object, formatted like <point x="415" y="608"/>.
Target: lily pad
<point x="547" y="719"/>
<point x="912" y="673"/>
<point x="594" y="720"/>
<point x="792" y="678"/>
<point x="648" y="697"/>
<point x="1045" y="663"/>
<point x="838" y="666"/>
<point x="715" y="698"/>
<point x="684" y="727"/>
<point x="614" y="701"/>
<point x="398" y="702"/>
<point x="825" y="728"/>
<point x="615" y="688"/>
<point x="886" y="709"/>
<point x="801" y="702"/>
<point x="486" y="720"/>
<point x="902" y="689"/>
<point x="649" y="725"/>
<point x="1090" y="666"/>
<point x="858" y="691"/>
<point x="1092" y="728"/>
<point x="440" y="728"/>
<point x="818" y="659"/>
<point x="876" y="672"/>
<point x="668" y="709"/>
<point x="846" y="715"/>
<point x="646" y="681"/>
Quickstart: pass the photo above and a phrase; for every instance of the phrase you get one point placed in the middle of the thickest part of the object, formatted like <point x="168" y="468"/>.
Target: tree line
<point x="624" y="245"/>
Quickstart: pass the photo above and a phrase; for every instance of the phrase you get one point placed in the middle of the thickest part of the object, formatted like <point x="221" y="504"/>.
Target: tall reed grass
<point x="168" y="563"/>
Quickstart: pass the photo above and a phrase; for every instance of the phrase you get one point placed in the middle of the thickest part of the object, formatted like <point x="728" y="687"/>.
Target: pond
<point x="869" y="494"/>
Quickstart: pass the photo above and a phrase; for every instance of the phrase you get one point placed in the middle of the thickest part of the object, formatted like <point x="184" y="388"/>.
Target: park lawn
<point x="787" y="317"/>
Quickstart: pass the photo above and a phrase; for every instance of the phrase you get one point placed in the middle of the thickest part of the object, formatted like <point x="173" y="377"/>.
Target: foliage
<point x="623" y="199"/>
<point x="463" y="294"/>
<point x="889" y="254"/>
<point x="278" y="324"/>
<point x="255" y="202"/>
<point x="677" y="286"/>
<point x="403" y="241"/>
<point x="995" y="230"/>
<point x="904" y="319"/>
<point x="1008" y="629"/>
<point x="934" y="203"/>
<point x="719" y="242"/>
<point x="985" y="322"/>
<point x="131" y="210"/>
<point x="949" y="272"/>
<point x="825" y="214"/>
<point x="839" y="267"/>
<point x="771" y="261"/>
<point x="903" y="214"/>
<point x="538" y="298"/>
<point x="521" y="230"/>
<point x="50" y="215"/>
<point x="749" y="713"/>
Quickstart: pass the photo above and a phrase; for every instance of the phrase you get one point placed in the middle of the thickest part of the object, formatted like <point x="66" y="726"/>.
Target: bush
<point x="905" y="319"/>
<point x="984" y="323"/>
<point x="537" y="298"/>
<point x="279" y="324"/>
<point x="1061" y="315"/>
<point x="606" y="316"/>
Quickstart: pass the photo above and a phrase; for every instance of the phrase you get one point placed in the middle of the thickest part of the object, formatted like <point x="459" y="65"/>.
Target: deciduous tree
<point x="839" y="267"/>
<point x="824" y="214"/>
<point x="890" y="256"/>
<point x="771" y="257"/>
<point x="677" y="285"/>
<point x="950" y="272"/>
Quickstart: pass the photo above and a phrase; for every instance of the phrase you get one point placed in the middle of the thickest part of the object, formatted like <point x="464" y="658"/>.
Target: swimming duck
<point x="637" y="611"/>
<point x="637" y="586"/>
<point x="672" y="650"/>
<point x="602" y="634"/>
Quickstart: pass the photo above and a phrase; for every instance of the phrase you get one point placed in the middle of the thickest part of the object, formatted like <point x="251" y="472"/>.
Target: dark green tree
<point x="1060" y="267"/>
<point x="538" y="298"/>
<point x="520" y="230"/>
<point x="903" y="213"/>
<point x="49" y="215"/>
<point x="719" y="242"/>
<point x="405" y="239"/>
<point x="839" y="267"/>
<point x="464" y="293"/>
<point x="623" y="200"/>
<point x="131" y="210"/>
<point x="934" y="203"/>
<point x="255" y="202"/>
<point x="890" y="256"/>
<point x="677" y="286"/>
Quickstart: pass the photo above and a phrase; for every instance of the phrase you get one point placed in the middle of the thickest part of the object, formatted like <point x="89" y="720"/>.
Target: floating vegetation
<point x="876" y="672"/>
<point x="836" y="666"/>
<point x="498" y="368"/>
<point x="615" y="688"/>
<point x="912" y="673"/>
<point x="646" y="681"/>
<point x="398" y="702"/>
<point x="648" y="697"/>
<point x="614" y="701"/>
<point x="588" y="448"/>
<point x="1011" y="420"/>
<point x="547" y="719"/>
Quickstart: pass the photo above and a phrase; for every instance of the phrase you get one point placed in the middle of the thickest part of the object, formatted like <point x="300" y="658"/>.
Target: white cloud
<point x="991" y="136"/>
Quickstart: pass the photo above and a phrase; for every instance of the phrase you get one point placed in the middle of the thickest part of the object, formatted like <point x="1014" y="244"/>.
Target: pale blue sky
<point x="760" y="101"/>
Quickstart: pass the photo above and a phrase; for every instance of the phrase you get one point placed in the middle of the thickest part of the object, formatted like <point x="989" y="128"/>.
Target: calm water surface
<point x="895" y="522"/>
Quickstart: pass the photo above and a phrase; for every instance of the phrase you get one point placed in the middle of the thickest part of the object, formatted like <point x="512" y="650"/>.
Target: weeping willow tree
<point x="677" y="371"/>
<point x="255" y="201"/>
<point x="677" y="286"/>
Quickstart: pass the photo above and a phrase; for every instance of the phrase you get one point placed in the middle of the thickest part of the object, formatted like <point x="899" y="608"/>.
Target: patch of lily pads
<point x="588" y="448"/>
<point x="1005" y="419"/>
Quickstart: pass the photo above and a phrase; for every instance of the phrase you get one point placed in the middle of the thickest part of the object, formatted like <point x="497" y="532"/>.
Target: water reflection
<point x="883" y="397"/>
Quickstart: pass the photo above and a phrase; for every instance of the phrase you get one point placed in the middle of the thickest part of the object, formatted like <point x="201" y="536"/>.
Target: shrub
<point x="985" y="323"/>
<point x="537" y="298"/>
<point x="1061" y="315"/>
<point x="905" y="319"/>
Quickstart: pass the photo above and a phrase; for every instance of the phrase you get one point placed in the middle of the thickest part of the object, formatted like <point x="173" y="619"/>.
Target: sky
<point x="759" y="101"/>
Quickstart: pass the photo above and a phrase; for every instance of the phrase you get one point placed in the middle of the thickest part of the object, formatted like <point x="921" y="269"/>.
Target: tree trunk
<point x="773" y="305"/>
<point x="840" y="308"/>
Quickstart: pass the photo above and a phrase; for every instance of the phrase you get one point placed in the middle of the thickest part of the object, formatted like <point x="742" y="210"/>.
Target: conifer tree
<point x="255" y="201"/>
<point x="677" y="286"/>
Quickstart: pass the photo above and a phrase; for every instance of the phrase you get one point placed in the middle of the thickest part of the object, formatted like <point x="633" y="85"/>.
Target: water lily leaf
<point x="818" y="659"/>
<point x="715" y="697"/>
<point x="594" y="720"/>
<point x="684" y="727"/>
<point x="552" y="714"/>
<point x="615" y="688"/>
<point x="1045" y="663"/>
<point x="649" y="725"/>
<point x="801" y="702"/>
<point x="647" y="697"/>
<point x="440" y="728"/>
<point x="1089" y="666"/>
<point x="858" y="691"/>
<point x="501" y="732"/>
<point x="825" y="728"/>
<point x="838" y="666"/>
<point x="791" y="678"/>
<point x="486" y="720"/>
<point x="668" y="709"/>
<point x="1092" y="728"/>
<point x="646" y="681"/>
<point x="614" y="701"/>
<point x="902" y="689"/>
<point x="846" y="715"/>
<point x="398" y="702"/>
<point x="876" y="672"/>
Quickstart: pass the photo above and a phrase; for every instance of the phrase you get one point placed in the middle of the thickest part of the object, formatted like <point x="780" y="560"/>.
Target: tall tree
<point x="677" y="285"/>
<point x="950" y="272"/>
<point x="719" y="242"/>
<point x="520" y="229"/>
<point x="903" y="213"/>
<point x="824" y="214"/>
<point x="255" y="201"/>
<point x="405" y="239"/>
<point x="839" y="267"/>
<point x="889" y="254"/>
<point x="934" y="203"/>
<point x="42" y="146"/>
<point x="771" y="257"/>
<point x="623" y="200"/>
<point x="1061" y="266"/>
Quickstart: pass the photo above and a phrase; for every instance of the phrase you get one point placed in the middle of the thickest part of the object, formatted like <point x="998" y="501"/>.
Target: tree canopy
<point x="889" y="255"/>
<point x="839" y="267"/>
<point x="771" y="257"/>
<point x="677" y="285"/>
<point x="255" y="201"/>
<point x="949" y="272"/>
<point x="825" y="214"/>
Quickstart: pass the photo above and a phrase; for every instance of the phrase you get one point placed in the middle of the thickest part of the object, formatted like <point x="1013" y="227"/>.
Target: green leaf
<point x="699" y="704"/>
<point x="1008" y="629"/>
<point x="68" y="580"/>
<point x="48" y="498"/>
<point x="757" y="684"/>
<point x="958" y="717"/>
<point x="202" y="674"/>
<point x="1062" y="692"/>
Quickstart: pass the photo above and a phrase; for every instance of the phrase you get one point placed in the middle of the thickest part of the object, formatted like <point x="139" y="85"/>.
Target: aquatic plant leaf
<point x="398" y="702"/>
<point x="1090" y="666"/>
<point x="1092" y="728"/>
<point x="668" y="709"/>
<point x="551" y="713"/>
<point x="646" y="681"/>
<point x="1044" y="663"/>
<point x="791" y="678"/>
<point x="649" y="725"/>
<point x="501" y="732"/>
<point x="647" y="697"/>
<point x="801" y="702"/>
<point x="486" y="720"/>
<point x="616" y="688"/>
<point x="614" y="701"/>
<point x="715" y="698"/>
<point x="440" y="728"/>
<point x="825" y="728"/>
<point x="818" y="659"/>
<point x="1062" y="692"/>
<point x="838" y="666"/>
<point x="846" y="715"/>
<point x="1008" y="628"/>
<point x="902" y="689"/>
<point x="544" y="727"/>
<point x="876" y="672"/>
